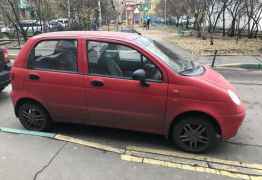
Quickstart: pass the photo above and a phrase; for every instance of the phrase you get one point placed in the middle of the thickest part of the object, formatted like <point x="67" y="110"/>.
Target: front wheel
<point x="34" y="117"/>
<point x="194" y="134"/>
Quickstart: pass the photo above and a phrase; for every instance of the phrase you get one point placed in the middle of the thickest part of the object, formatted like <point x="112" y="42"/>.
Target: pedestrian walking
<point x="148" y="23"/>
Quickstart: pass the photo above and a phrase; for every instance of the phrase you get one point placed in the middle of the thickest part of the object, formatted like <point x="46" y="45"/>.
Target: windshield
<point x="168" y="56"/>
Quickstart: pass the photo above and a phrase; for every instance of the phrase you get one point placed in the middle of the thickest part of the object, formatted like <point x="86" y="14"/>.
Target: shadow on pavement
<point x="122" y="138"/>
<point x="116" y="137"/>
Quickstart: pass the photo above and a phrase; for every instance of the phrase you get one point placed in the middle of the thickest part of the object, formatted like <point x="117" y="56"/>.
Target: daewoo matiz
<point x="126" y="81"/>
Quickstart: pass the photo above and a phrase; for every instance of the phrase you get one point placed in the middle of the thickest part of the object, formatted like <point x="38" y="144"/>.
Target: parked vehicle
<point x="33" y="27"/>
<point x="2" y="24"/>
<point x="7" y="30"/>
<point x="122" y="80"/>
<point x="55" y="26"/>
<point x="130" y="30"/>
<point x="5" y="67"/>
<point x="63" y="21"/>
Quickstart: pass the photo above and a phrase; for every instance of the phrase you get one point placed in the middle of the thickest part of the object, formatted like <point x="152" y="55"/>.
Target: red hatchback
<point x="125" y="81"/>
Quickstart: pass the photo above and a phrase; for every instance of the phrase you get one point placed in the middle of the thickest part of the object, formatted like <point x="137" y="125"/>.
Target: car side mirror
<point x="140" y="75"/>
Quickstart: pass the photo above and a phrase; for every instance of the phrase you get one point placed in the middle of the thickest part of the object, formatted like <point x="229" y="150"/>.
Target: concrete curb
<point x="257" y="66"/>
<point x="211" y="55"/>
<point x="154" y="156"/>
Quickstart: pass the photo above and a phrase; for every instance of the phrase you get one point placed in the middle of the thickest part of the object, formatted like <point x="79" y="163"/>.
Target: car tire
<point x="194" y="134"/>
<point x="34" y="117"/>
<point x="1" y="89"/>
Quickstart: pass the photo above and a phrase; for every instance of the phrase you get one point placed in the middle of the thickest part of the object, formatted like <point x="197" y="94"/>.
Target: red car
<point x="126" y="81"/>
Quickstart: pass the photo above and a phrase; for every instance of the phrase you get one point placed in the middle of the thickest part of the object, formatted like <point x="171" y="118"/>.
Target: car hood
<point x="216" y="79"/>
<point x="209" y="86"/>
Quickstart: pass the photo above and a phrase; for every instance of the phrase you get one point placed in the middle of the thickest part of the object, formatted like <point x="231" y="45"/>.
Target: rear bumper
<point x="4" y="78"/>
<point x="231" y="124"/>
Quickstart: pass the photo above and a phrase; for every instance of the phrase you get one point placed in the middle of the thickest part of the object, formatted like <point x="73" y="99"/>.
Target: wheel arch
<point x="205" y="116"/>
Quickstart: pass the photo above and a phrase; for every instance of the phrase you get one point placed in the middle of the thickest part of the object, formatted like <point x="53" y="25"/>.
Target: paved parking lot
<point x="145" y="156"/>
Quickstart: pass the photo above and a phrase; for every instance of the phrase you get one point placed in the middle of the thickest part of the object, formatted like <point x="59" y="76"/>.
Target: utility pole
<point x="165" y="12"/>
<point x="69" y="12"/>
<point x="100" y="14"/>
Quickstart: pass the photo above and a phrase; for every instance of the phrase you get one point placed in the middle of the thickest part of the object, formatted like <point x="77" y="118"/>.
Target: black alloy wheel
<point x="34" y="117"/>
<point x="194" y="134"/>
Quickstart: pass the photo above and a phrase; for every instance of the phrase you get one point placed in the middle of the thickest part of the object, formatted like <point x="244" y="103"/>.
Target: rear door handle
<point x="97" y="83"/>
<point x="34" y="77"/>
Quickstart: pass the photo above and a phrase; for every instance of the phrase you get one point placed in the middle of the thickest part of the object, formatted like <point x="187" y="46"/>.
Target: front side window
<point x="57" y="55"/>
<point x="115" y="60"/>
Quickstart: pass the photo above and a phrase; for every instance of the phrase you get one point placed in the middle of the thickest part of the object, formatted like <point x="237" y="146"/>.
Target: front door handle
<point x="97" y="83"/>
<point x="34" y="77"/>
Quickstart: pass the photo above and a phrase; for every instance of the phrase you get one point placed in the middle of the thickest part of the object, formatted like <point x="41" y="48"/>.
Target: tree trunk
<point x="177" y="21"/>
<point x="187" y="22"/>
<point x="224" y="19"/>
<point x="232" y="29"/>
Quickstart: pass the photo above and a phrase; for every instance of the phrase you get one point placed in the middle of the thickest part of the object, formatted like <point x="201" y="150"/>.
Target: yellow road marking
<point x="186" y="167"/>
<point x="195" y="157"/>
<point x="173" y="159"/>
<point x="185" y="161"/>
<point x="89" y="144"/>
<point x="127" y="157"/>
<point x="195" y="163"/>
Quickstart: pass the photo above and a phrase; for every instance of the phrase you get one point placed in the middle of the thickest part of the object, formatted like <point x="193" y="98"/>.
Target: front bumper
<point x="231" y="124"/>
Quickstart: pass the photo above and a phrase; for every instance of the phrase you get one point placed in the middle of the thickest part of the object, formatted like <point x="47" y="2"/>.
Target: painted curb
<point x="243" y="66"/>
<point x="27" y="132"/>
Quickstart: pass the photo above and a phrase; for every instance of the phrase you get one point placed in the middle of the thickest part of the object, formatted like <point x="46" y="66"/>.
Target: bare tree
<point x="175" y="8"/>
<point x="241" y="15"/>
<point x="10" y="10"/>
<point x="199" y="9"/>
<point x="215" y="10"/>
<point x="234" y="9"/>
<point x="225" y="4"/>
<point x="253" y="10"/>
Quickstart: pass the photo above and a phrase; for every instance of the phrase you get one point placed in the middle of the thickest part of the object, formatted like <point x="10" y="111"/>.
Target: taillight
<point x="5" y="51"/>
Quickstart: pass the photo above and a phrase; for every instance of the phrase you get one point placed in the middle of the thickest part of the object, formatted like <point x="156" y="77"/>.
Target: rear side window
<point x="56" y="55"/>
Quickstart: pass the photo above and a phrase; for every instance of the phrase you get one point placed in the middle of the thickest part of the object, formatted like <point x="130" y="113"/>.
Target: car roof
<point x="28" y="21"/>
<point x="90" y="34"/>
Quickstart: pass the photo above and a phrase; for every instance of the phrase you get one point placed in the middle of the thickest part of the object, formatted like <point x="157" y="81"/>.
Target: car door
<point x="53" y="78"/>
<point x="114" y="98"/>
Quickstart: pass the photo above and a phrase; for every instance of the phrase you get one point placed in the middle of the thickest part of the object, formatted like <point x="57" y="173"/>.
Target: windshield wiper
<point x="188" y="69"/>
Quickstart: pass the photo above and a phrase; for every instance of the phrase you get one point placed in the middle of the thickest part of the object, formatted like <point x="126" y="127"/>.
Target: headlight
<point x="234" y="97"/>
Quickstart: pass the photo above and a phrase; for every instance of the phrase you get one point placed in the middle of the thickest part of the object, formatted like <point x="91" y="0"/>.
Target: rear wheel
<point x="34" y="117"/>
<point x="1" y="89"/>
<point x="194" y="134"/>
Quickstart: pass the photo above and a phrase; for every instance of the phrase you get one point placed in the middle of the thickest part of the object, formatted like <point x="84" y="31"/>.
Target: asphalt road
<point x="27" y="157"/>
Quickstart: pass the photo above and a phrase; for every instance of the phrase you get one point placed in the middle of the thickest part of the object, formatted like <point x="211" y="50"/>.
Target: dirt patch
<point x="224" y="46"/>
<point x="200" y="47"/>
